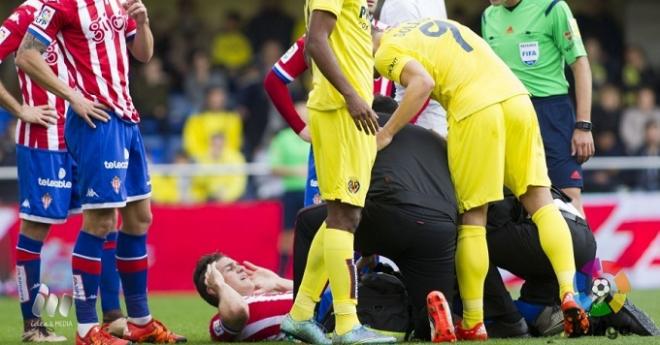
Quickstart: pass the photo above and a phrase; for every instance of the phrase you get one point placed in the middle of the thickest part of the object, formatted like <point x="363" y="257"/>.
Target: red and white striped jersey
<point x="11" y="35"/>
<point x="266" y="314"/>
<point x="94" y="35"/>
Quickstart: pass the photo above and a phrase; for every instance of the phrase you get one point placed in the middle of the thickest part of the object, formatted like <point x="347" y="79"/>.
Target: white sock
<point x="140" y="321"/>
<point x="84" y="328"/>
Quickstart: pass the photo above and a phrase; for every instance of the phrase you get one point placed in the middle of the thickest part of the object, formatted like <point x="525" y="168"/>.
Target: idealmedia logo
<point x="46" y="182"/>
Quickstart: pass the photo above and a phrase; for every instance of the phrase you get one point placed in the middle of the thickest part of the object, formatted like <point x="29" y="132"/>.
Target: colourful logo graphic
<point x="603" y="287"/>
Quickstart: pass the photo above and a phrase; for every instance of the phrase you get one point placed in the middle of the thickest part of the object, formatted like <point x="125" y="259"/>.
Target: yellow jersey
<point x="468" y="75"/>
<point x="351" y="42"/>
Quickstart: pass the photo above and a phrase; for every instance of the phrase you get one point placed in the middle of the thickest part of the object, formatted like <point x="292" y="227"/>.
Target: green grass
<point x="189" y="315"/>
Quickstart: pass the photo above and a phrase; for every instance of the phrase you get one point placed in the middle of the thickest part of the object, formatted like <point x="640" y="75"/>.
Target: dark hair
<point x="384" y="104"/>
<point x="199" y="277"/>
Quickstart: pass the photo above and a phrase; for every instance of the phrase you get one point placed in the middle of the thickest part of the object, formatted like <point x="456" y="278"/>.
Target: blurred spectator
<point x="201" y="78"/>
<point x="596" y="20"/>
<point x="649" y="179"/>
<point x="215" y="119"/>
<point x="634" y="119"/>
<point x="271" y="22"/>
<point x="636" y="73"/>
<point x="254" y="107"/>
<point x="8" y="144"/>
<point x="172" y="188"/>
<point x="231" y="49"/>
<point x="288" y="159"/>
<point x="225" y="187"/>
<point x="607" y="113"/>
<point x="599" y="181"/>
<point x="150" y="91"/>
<point x="8" y="188"/>
<point x="602" y="70"/>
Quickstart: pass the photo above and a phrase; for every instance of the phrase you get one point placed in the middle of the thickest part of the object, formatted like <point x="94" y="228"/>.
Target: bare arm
<point x="321" y="25"/>
<point x="29" y="59"/>
<point x="232" y="308"/>
<point x="582" y="145"/>
<point x="142" y="45"/>
<point x="44" y="115"/>
<point x="419" y="84"/>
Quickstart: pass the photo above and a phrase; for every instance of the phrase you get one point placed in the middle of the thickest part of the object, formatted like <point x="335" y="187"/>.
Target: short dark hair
<point x="199" y="277"/>
<point x="384" y="104"/>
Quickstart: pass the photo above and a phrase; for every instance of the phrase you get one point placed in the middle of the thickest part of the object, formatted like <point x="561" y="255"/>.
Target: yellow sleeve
<point x="332" y="6"/>
<point x="390" y="62"/>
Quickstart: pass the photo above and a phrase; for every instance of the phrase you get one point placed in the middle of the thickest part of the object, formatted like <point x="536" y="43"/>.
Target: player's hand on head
<point x="44" y="115"/>
<point x="89" y="110"/>
<point x="137" y="11"/>
<point x="264" y="279"/>
<point x="582" y="145"/>
<point x="213" y="277"/>
<point x="365" y="118"/>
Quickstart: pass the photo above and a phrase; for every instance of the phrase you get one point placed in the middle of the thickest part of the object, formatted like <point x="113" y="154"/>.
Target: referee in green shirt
<point x="535" y="38"/>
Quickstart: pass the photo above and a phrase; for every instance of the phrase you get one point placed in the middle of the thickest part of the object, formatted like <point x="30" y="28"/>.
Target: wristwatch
<point x="584" y="126"/>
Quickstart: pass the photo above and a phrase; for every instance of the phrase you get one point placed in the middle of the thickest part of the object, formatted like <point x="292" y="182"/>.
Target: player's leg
<point x="101" y="157"/>
<point x="131" y="252"/>
<point x="308" y="222"/>
<point x="476" y="162"/>
<point x="526" y="176"/>
<point x="45" y="188"/>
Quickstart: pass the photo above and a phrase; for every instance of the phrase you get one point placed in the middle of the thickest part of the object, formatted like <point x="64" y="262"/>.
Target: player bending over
<point x="493" y="140"/>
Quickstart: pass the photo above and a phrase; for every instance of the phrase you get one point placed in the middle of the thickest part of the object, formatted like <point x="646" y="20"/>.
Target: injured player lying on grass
<point x="251" y="300"/>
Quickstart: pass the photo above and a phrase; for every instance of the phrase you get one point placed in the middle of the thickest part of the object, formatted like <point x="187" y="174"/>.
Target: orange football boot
<point x="153" y="332"/>
<point x="98" y="336"/>
<point x="442" y="327"/>
<point x="576" y="322"/>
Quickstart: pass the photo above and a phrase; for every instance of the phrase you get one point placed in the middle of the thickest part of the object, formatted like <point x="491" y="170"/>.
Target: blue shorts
<point x="557" y="122"/>
<point x="292" y="201"/>
<point x="47" y="185"/>
<point x="112" y="165"/>
<point x="312" y="192"/>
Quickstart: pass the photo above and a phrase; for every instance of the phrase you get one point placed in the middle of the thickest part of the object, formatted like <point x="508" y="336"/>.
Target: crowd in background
<point x="201" y="100"/>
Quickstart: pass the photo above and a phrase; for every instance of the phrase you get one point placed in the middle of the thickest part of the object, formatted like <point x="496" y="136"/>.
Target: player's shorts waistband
<point x="550" y="99"/>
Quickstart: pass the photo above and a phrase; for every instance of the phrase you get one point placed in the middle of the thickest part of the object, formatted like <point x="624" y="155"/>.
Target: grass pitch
<point x="189" y="315"/>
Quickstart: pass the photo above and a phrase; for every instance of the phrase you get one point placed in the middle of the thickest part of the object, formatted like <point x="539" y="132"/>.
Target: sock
<point x="313" y="281"/>
<point x="338" y="255"/>
<point x="28" y="269"/>
<point x="84" y="328"/>
<point x="109" y="276"/>
<point x="86" y="265"/>
<point x="471" y="269"/>
<point x="132" y="267"/>
<point x="557" y="244"/>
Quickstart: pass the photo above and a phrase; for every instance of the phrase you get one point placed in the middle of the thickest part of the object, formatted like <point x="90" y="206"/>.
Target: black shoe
<point x="629" y="320"/>
<point x="550" y="322"/>
<point x="500" y="329"/>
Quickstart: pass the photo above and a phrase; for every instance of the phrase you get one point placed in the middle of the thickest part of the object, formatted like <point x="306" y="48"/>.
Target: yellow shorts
<point x="343" y="156"/>
<point x="498" y="145"/>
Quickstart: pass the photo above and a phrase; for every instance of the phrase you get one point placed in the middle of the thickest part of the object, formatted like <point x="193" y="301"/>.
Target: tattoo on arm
<point x="31" y="42"/>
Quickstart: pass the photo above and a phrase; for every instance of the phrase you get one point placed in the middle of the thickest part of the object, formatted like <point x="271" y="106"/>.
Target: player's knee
<point x="34" y="230"/>
<point x="140" y="221"/>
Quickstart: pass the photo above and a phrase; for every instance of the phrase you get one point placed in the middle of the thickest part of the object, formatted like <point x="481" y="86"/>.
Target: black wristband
<point x="584" y="126"/>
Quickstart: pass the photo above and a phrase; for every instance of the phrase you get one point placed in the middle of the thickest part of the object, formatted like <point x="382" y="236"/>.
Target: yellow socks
<point x="313" y="281"/>
<point x="343" y="278"/>
<point x="471" y="269"/>
<point x="557" y="244"/>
